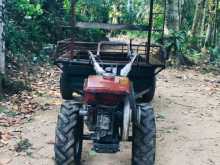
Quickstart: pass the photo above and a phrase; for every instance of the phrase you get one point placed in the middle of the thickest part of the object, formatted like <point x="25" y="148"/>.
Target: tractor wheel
<point x="144" y="137"/>
<point x="69" y="131"/>
<point x="65" y="88"/>
<point x="148" y="97"/>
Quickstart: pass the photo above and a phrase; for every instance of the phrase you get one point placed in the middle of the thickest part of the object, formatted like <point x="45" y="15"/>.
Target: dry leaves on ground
<point x="5" y="137"/>
<point x="43" y="83"/>
<point x="5" y="161"/>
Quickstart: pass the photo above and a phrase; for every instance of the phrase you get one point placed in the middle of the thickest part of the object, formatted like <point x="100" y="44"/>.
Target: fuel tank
<point x="106" y="90"/>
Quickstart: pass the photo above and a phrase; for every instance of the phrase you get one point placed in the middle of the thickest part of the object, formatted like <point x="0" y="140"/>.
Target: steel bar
<point x="150" y="30"/>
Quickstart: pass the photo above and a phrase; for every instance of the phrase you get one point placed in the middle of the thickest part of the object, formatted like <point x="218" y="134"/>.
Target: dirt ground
<point x="187" y="107"/>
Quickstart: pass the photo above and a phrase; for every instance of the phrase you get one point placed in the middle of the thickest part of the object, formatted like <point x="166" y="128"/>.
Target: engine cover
<point x="106" y="90"/>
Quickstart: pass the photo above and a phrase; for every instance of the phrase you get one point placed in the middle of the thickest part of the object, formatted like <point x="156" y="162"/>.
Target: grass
<point x="7" y="112"/>
<point x="2" y="109"/>
<point x="23" y="145"/>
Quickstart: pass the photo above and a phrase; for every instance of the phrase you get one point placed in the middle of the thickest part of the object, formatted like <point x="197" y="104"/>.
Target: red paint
<point x="111" y="85"/>
<point x="103" y="99"/>
<point x="106" y="90"/>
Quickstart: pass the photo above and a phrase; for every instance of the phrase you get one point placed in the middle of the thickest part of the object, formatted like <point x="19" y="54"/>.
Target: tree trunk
<point x="217" y="37"/>
<point x="218" y="24"/>
<point x="2" y="48"/>
<point x="172" y="16"/>
<point x="197" y="21"/>
<point x="73" y="12"/>
<point x="205" y="11"/>
<point x="210" y="34"/>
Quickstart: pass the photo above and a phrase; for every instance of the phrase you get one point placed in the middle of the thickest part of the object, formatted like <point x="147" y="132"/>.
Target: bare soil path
<point x="187" y="106"/>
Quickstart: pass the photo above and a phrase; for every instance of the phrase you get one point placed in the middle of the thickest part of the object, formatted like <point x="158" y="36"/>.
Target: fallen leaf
<point x="5" y="161"/>
<point x="51" y="142"/>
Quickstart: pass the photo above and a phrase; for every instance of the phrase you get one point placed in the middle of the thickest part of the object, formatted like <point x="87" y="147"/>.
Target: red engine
<point x="106" y="90"/>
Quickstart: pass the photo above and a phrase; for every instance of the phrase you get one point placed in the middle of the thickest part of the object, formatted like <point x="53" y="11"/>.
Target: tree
<point x="210" y="33"/>
<point x="216" y="51"/>
<point x="2" y="47"/>
<point x="172" y="16"/>
<point x="198" y="17"/>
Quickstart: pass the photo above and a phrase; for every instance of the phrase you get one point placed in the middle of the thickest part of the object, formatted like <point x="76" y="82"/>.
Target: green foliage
<point x="23" y="145"/>
<point x="188" y="10"/>
<point x="215" y="56"/>
<point x="176" y="39"/>
<point x="92" y="10"/>
<point x="67" y="5"/>
<point x="137" y="34"/>
<point x="180" y="43"/>
<point x="22" y="31"/>
<point x="32" y="25"/>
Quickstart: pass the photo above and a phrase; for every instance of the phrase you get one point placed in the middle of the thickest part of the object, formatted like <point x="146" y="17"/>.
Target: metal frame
<point x="150" y="29"/>
<point x="96" y="25"/>
<point x="79" y="48"/>
<point x="79" y="65"/>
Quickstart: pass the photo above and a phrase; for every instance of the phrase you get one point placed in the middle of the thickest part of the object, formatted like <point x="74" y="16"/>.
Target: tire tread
<point x="67" y="126"/>
<point x="144" y="137"/>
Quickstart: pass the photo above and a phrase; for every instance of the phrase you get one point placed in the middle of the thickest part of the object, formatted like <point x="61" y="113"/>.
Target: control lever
<point x="127" y="68"/>
<point x="99" y="70"/>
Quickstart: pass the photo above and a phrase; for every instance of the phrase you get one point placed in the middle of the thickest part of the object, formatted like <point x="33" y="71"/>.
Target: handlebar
<point x="99" y="70"/>
<point x="124" y="71"/>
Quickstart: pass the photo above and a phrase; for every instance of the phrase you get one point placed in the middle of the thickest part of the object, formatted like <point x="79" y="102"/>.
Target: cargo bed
<point x="73" y="59"/>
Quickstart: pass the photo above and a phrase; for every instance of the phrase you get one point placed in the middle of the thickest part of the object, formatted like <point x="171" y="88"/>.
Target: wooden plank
<point x="106" y="26"/>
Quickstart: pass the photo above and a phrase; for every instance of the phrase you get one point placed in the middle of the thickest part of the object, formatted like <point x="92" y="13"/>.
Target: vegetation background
<point x="31" y="28"/>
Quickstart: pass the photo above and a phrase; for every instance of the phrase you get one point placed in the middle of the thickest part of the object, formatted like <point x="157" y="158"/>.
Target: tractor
<point x="107" y="88"/>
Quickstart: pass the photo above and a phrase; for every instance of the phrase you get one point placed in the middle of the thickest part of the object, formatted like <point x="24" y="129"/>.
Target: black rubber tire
<point x="148" y="97"/>
<point x="65" y="88"/>
<point x="68" y="138"/>
<point x="144" y="137"/>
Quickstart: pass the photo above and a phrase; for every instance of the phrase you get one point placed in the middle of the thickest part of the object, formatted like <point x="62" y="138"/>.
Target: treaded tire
<point x="69" y="131"/>
<point x="144" y="137"/>
<point x="65" y="88"/>
<point x="148" y="97"/>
